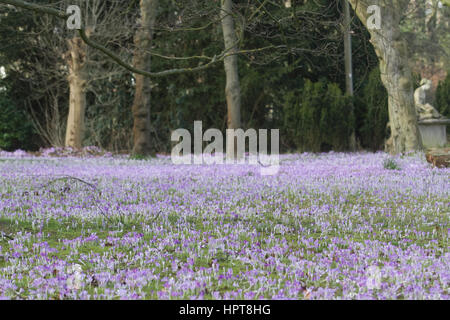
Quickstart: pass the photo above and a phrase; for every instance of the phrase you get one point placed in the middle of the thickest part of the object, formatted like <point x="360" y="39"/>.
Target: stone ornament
<point x="423" y="99"/>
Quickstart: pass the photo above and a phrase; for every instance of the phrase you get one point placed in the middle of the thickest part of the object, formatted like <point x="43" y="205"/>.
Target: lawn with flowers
<point x="327" y="226"/>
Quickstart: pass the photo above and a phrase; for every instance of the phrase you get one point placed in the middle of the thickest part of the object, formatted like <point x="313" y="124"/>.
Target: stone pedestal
<point x="433" y="132"/>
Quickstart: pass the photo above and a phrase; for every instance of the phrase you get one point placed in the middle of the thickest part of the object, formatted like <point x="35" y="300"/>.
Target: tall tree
<point x="232" y="89"/>
<point x="348" y="63"/>
<point x="77" y="78"/>
<point x="391" y="49"/>
<point x="63" y="73"/>
<point x="104" y="19"/>
<point x="142" y="59"/>
<point x="348" y="49"/>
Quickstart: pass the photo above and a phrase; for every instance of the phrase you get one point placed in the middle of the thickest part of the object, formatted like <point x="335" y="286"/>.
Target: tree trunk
<point x="232" y="89"/>
<point x="141" y="104"/>
<point x="392" y="53"/>
<point x="349" y="65"/>
<point x="348" y="49"/>
<point x="77" y="102"/>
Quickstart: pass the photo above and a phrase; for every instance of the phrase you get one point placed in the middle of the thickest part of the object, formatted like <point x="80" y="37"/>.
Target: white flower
<point x="373" y="281"/>
<point x="75" y="278"/>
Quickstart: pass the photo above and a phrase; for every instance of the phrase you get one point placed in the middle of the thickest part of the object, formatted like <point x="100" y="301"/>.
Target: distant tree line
<point x="290" y="69"/>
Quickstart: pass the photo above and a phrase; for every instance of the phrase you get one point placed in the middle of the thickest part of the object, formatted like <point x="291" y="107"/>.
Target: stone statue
<point x="422" y="100"/>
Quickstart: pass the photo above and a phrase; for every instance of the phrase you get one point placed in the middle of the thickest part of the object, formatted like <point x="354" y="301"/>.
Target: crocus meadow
<point x="109" y="227"/>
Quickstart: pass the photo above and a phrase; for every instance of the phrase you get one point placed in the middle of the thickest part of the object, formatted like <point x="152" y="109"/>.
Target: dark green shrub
<point x="337" y="119"/>
<point x="372" y="111"/>
<point x="16" y="132"/>
<point x="443" y="96"/>
<point x="318" y="117"/>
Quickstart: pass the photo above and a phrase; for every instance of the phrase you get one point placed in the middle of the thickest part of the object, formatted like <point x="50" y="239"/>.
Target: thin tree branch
<point x="36" y="8"/>
<point x="119" y="61"/>
<point x="115" y="57"/>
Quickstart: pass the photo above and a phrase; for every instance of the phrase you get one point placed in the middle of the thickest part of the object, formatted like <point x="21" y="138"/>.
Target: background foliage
<point x="299" y="89"/>
<point x="443" y="96"/>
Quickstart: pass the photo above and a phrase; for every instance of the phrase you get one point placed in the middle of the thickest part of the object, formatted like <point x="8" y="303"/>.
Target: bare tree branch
<point x="117" y="58"/>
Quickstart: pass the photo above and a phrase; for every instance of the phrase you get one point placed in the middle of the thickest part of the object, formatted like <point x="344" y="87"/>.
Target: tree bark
<point x="77" y="84"/>
<point x="348" y="49"/>
<point x="232" y="89"/>
<point x="392" y="53"/>
<point x="349" y="65"/>
<point x="142" y="59"/>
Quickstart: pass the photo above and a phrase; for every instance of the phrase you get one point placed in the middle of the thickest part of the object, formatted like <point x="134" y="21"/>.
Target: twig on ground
<point x="88" y="184"/>
<point x="4" y="235"/>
